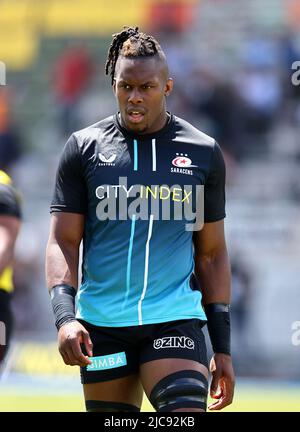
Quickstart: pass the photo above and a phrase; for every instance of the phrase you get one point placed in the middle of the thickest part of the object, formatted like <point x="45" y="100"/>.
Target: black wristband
<point x="218" y="324"/>
<point x="63" y="304"/>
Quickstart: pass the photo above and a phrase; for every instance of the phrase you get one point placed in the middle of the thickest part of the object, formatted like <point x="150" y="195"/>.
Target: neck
<point x="161" y="124"/>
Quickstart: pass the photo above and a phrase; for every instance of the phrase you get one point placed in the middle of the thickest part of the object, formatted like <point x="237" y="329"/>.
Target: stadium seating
<point x="24" y="23"/>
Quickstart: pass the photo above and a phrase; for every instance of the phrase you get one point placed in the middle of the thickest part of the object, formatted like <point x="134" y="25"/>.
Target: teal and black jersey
<point x="139" y="198"/>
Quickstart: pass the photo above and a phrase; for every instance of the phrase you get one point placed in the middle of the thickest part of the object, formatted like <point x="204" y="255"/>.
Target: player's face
<point x="141" y="86"/>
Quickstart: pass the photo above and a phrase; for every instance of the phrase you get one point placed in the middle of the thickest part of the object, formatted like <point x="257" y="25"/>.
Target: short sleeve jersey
<point x="139" y="196"/>
<point x="9" y="202"/>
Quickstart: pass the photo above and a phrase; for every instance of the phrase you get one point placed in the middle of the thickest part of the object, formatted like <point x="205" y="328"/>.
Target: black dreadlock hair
<point x="130" y="43"/>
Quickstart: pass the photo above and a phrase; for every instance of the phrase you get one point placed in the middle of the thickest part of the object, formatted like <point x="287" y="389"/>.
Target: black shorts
<point x="6" y="318"/>
<point x="119" y="351"/>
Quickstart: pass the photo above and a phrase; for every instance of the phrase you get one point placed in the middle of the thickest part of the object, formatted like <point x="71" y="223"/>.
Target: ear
<point x="114" y="86"/>
<point x="169" y="86"/>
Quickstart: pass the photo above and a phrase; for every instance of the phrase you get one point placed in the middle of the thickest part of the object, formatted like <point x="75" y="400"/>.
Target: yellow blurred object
<point x="18" y="43"/>
<point x="22" y="23"/>
<point x="92" y="17"/>
<point x="4" y="178"/>
<point x="6" y="278"/>
<point x="42" y="359"/>
<point x="18" y="46"/>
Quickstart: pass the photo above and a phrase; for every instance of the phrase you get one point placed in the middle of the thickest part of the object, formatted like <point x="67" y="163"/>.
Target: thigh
<point x="154" y="371"/>
<point x="126" y="390"/>
<point x="175" y="348"/>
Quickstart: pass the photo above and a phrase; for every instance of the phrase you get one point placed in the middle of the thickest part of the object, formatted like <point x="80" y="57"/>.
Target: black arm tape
<point x="218" y="324"/>
<point x="63" y="304"/>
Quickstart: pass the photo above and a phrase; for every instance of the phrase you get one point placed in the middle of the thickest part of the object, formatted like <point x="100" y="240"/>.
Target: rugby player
<point x="10" y="221"/>
<point x="137" y="324"/>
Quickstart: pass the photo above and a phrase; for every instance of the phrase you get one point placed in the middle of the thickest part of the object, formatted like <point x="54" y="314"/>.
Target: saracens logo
<point x="174" y="342"/>
<point x="107" y="161"/>
<point x="182" y="163"/>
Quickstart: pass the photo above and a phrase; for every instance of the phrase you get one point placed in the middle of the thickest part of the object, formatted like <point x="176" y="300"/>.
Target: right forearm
<point x="61" y="264"/>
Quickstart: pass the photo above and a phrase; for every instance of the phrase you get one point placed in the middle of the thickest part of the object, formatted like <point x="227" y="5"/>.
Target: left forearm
<point x="213" y="273"/>
<point x="212" y="270"/>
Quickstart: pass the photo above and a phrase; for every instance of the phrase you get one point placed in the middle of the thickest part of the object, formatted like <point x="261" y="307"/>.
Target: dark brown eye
<point x="125" y="86"/>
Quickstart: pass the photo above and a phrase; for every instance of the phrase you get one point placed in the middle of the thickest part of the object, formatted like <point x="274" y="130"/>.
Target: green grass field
<point x="247" y="398"/>
<point x="39" y="381"/>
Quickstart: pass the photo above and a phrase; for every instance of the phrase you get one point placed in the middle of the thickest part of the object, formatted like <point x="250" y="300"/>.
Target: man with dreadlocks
<point x="149" y="282"/>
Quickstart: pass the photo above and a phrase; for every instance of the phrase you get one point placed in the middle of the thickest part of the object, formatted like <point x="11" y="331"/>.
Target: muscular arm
<point x="62" y="259"/>
<point x="212" y="268"/>
<point x="9" y="229"/>
<point x="212" y="271"/>
<point x="62" y="254"/>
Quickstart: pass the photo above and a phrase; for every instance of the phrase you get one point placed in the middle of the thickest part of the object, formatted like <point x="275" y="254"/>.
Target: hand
<point x="222" y="385"/>
<point x="70" y="336"/>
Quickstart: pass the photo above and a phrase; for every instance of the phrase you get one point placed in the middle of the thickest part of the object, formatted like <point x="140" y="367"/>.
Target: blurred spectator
<point x="173" y="16"/>
<point x="10" y="149"/>
<point x="212" y="100"/>
<point x="293" y="12"/>
<point x="258" y="84"/>
<point x="10" y="223"/>
<point x="260" y="90"/>
<point x="204" y="96"/>
<point x="72" y="73"/>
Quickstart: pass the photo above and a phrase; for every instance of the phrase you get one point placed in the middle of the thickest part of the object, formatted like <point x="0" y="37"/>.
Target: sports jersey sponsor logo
<point x="163" y="202"/>
<point x="107" y="161"/>
<point x="109" y="361"/>
<point x="174" y="342"/>
<point x="174" y="193"/>
<point x="181" y="163"/>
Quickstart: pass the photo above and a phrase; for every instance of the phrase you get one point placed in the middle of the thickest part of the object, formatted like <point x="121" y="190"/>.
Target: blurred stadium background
<point x="232" y="65"/>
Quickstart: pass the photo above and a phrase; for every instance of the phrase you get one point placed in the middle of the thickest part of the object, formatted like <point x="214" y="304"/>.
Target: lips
<point x="135" y="115"/>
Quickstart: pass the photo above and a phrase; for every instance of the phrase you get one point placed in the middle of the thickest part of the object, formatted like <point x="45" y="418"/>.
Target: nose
<point x="135" y="96"/>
